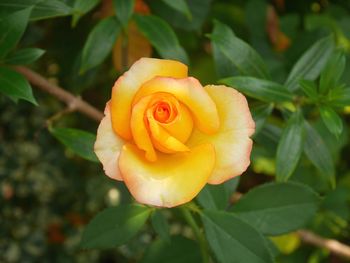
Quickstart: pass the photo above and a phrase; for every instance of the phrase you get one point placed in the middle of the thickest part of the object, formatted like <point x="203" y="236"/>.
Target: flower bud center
<point x="162" y="112"/>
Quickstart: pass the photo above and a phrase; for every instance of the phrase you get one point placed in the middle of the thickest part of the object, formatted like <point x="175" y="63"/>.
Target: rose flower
<point x="166" y="136"/>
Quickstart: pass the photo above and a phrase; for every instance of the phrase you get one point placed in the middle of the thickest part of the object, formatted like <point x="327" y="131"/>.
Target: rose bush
<point x="166" y="136"/>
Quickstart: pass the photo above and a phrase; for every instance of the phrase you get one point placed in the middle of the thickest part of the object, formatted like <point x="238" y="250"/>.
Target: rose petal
<point x="171" y="180"/>
<point x="191" y="93"/>
<point x="139" y="130"/>
<point x="232" y="143"/>
<point x="108" y="146"/>
<point x="127" y="85"/>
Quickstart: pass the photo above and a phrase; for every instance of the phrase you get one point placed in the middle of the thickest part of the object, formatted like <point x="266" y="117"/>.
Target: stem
<point x="197" y="232"/>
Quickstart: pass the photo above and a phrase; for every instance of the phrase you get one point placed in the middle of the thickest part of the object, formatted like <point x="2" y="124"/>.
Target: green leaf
<point x="24" y="56"/>
<point x="180" y="6"/>
<point x="277" y="208"/>
<point x="260" y="115"/>
<point x="12" y="28"/>
<point x="7" y="7"/>
<point x="309" y="88"/>
<point x="317" y="152"/>
<point x="123" y="10"/>
<point x="332" y="72"/>
<point x="233" y="240"/>
<point x="339" y="97"/>
<point x="15" y="86"/>
<point x="239" y="53"/>
<point x="114" y="226"/>
<point x="160" y="225"/>
<point x="80" y="142"/>
<point x="216" y="197"/>
<point x="311" y="63"/>
<point x="290" y="147"/>
<point x="162" y="37"/>
<point x="81" y="7"/>
<point x="100" y="43"/>
<point x="50" y="8"/>
<point x="260" y="89"/>
<point x="178" y="250"/>
<point x="332" y="120"/>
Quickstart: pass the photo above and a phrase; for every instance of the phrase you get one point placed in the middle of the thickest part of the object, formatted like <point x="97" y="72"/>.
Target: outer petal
<point x="127" y="85"/>
<point x="191" y="93"/>
<point x="170" y="181"/>
<point x="108" y="146"/>
<point x="232" y="143"/>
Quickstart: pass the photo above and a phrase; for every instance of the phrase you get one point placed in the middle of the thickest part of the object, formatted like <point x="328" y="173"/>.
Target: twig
<point x="73" y="102"/>
<point x="77" y="103"/>
<point x="334" y="246"/>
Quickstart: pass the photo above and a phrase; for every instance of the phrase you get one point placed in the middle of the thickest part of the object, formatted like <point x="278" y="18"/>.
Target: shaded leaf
<point x="80" y="142"/>
<point x="178" y="250"/>
<point x="100" y="42"/>
<point x="81" y="7"/>
<point x="162" y="37"/>
<point x="160" y="225"/>
<point x="239" y="53"/>
<point x="260" y="89"/>
<point x="311" y="63"/>
<point x="24" y="56"/>
<point x="233" y="240"/>
<point x="290" y="147"/>
<point x="50" y="8"/>
<point x="7" y="7"/>
<point x="277" y="208"/>
<point x="309" y="88"/>
<point x="216" y="197"/>
<point x="260" y="115"/>
<point x="123" y="10"/>
<point x="332" y="120"/>
<point x="14" y="85"/>
<point x="180" y="6"/>
<point x="12" y="28"/>
<point x="114" y="226"/>
<point x="339" y="97"/>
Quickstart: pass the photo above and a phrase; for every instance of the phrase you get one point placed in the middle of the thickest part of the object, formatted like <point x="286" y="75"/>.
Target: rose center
<point x="161" y="112"/>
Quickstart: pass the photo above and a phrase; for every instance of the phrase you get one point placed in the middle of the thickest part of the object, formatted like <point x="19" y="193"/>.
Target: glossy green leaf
<point x="50" y="8"/>
<point x="339" y="97"/>
<point x="7" y="7"/>
<point x="290" y="147"/>
<point x="332" y="120"/>
<point x="180" y="6"/>
<point x="311" y="63"/>
<point x="309" y="88"/>
<point x="123" y="10"/>
<point x="260" y="115"/>
<point x="317" y="151"/>
<point x="114" y="226"/>
<point x="243" y="57"/>
<point x="216" y="197"/>
<point x="332" y="72"/>
<point x="80" y="142"/>
<point x="260" y="89"/>
<point x="277" y="208"/>
<point x="223" y="65"/>
<point x="178" y="250"/>
<point x="162" y="37"/>
<point x="81" y="7"/>
<point x="24" y="56"/>
<point x="160" y="225"/>
<point x="100" y="43"/>
<point x="14" y="85"/>
<point x="12" y="28"/>
<point x="233" y="240"/>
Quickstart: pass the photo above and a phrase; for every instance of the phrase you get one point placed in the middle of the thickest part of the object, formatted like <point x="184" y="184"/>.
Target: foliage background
<point x="49" y="193"/>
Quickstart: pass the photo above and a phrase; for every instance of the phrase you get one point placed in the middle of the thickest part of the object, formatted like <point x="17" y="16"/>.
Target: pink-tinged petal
<point x="127" y="85"/>
<point x="232" y="143"/>
<point x="172" y="180"/>
<point x="191" y="93"/>
<point x="108" y="146"/>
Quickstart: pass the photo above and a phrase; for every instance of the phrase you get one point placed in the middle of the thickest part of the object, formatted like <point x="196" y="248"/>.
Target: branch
<point x="73" y="102"/>
<point x="80" y="105"/>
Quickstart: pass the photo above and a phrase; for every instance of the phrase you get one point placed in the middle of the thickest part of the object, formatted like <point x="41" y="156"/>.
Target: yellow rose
<point x="166" y="136"/>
